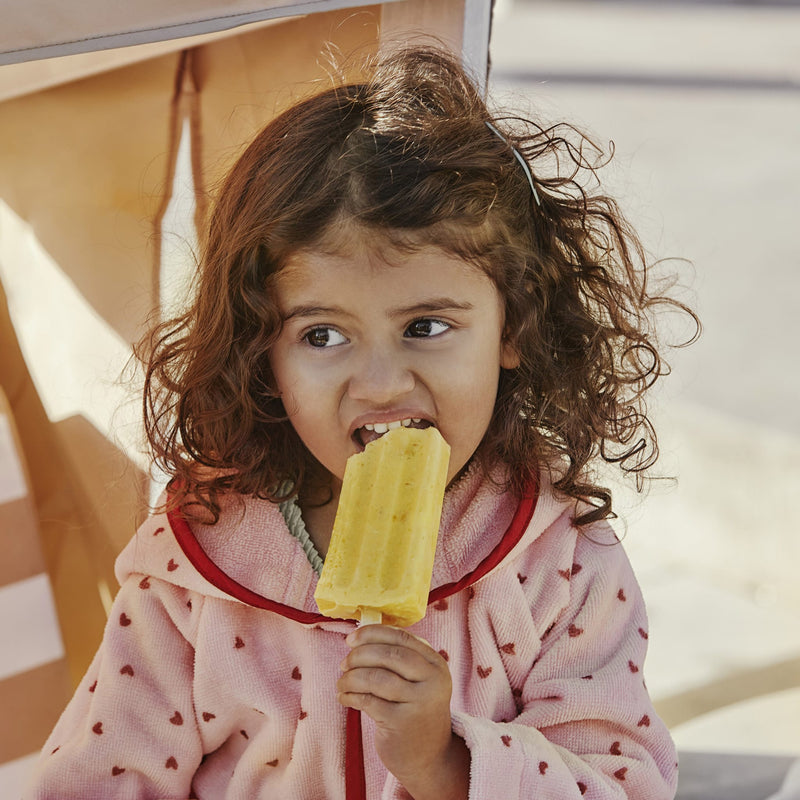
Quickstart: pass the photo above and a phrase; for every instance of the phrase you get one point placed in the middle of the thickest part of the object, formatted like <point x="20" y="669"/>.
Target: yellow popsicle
<point x="380" y="558"/>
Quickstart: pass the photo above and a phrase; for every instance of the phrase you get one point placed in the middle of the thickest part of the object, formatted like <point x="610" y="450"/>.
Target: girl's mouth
<point x="371" y="431"/>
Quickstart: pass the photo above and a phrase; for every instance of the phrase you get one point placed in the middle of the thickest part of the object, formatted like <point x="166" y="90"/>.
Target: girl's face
<point x="396" y="338"/>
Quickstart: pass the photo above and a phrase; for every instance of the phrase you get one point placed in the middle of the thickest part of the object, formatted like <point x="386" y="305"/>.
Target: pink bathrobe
<point x="216" y="676"/>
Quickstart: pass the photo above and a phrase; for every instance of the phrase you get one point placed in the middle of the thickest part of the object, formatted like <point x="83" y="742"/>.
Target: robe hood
<point x="249" y="555"/>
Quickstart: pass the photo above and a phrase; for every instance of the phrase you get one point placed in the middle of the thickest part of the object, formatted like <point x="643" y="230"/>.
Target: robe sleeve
<point x="585" y="725"/>
<point x="130" y="729"/>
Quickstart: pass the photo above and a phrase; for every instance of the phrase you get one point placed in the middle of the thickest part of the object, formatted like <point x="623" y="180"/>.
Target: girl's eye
<point x="324" y="337"/>
<point x="423" y="328"/>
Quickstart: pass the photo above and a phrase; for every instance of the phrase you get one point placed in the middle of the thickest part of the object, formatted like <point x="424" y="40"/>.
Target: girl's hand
<point x="404" y="686"/>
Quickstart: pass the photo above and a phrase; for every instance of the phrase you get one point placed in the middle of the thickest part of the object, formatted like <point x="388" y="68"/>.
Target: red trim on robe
<point x="216" y="576"/>
<point x="354" y="777"/>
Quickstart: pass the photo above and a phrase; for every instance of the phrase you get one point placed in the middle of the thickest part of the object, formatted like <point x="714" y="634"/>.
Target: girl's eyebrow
<point x="311" y="310"/>
<point x="431" y="305"/>
<point x="427" y="306"/>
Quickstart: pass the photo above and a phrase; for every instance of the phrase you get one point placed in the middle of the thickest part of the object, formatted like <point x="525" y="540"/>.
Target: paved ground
<point x="702" y="102"/>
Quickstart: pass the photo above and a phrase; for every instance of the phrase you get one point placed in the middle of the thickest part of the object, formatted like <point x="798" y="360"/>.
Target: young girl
<point x="387" y="254"/>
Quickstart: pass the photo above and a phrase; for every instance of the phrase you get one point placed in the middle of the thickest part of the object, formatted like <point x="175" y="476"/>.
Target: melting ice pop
<point x="380" y="557"/>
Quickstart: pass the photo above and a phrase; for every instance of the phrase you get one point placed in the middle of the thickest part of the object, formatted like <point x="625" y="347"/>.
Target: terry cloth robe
<point x="216" y="678"/>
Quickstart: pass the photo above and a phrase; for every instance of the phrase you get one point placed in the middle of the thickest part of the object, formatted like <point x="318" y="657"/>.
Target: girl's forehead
<point x="374" y="261"/>
<point x="373" y="249"/>
<point x="386" y="274"/>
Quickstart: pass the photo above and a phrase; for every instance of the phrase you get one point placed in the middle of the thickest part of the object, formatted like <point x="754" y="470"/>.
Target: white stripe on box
<point x="15" y="774"/>
<point x="28" y="626"/>
<point x="12" y="480"/>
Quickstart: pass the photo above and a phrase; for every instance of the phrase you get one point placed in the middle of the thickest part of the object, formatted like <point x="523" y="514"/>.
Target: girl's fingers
<point x="391" y="664"/>
<point x="376" y="682"/>
<point x="380" y="710"/>
<point x="408" y="664"/>
<point x="386" y="634"/>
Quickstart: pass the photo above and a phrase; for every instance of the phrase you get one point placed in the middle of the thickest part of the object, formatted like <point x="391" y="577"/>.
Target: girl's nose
<point x="380" y="376"/>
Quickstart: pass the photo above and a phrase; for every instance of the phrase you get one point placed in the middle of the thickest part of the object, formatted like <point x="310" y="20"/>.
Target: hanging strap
<point x="355" y="780"/>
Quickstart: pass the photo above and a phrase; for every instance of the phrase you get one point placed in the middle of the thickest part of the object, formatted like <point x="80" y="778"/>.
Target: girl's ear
<point x="509" y="355"/>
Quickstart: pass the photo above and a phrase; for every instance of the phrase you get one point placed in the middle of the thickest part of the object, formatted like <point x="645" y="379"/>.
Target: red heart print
<point x="172" y="763"/>
<point x="157" y="531"/>
<point x="144" y="583"/>
<point x="239" y="643"/>
<point x="576" y="568"/>
<point x="543" y="765"/>
<point x="98" y="728"/>
<point x="632" y="667"/>
<point x="124" y="620"/>
<point x="296" y="674"/>
<point x="208" y="716"/>
<point x="582" y="787"/>
<point x="176" y="718"/>
<point x="616" y="750"/>
<point x="444" y="654"/>
<point x="509" y="649"/>
<point x="127" y="670"/>
<point x="566" y="574"/>
<point x="93" y="686"/>
<point x="189" y="604"/>
<point x="621" y="595"/>
<point x="620" y="773"/>
<point x="117" y="770"/>
<point x="644" y="722"/>
<point x="441" y="605"/>
<point x="273" y="763"/>
<point x="303" y="714"/>
<point x="506" y="740"/>
<point x="522" y="578"/>
<point x="643" y="633"/>
<point x="574" y="631"/>
<point x="484" y="672"/>
<point x="171" y="565"/>
<point x="587" y="678"/>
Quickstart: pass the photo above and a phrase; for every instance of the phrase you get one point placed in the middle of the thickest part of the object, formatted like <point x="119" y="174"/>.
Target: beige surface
<point x="61" y="520"/>
<point x="42" y="28"/>
<point x="34" y="679"/>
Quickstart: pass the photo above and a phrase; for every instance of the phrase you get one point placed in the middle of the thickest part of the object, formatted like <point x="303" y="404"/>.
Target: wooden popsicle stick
<point x="371" y="616"/>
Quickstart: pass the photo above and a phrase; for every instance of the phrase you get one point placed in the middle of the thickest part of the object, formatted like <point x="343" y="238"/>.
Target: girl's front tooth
<point x="394" y="425"/>
<point x="380" y="427"/>
<point x="369" y="426"/>
<point x="405" y="422"/>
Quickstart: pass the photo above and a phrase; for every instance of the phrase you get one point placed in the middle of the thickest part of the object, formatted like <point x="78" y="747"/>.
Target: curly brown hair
<point x="408" y="155"/>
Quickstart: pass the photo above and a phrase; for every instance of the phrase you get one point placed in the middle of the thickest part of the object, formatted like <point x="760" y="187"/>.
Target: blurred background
<point x="700" y="102"/>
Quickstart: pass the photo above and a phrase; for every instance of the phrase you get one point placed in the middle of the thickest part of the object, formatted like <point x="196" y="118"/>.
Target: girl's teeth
<point x="384" y="427"/>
